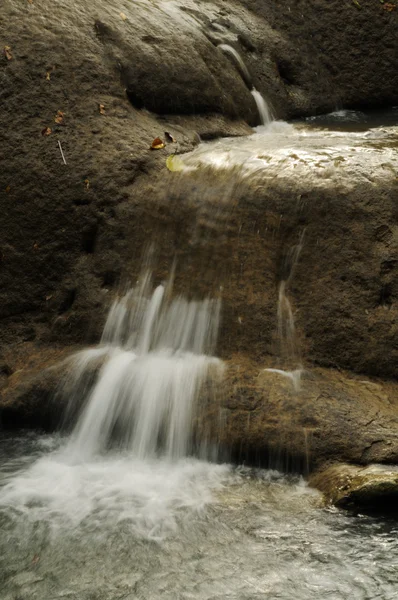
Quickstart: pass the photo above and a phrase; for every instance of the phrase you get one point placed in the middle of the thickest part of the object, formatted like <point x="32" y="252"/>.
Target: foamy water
<point x="150" y="496"/>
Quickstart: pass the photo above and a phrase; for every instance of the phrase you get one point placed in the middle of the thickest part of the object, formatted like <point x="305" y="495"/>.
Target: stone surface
<point x="71" y="234"/>
<point x="334" y="416"/>
<point x="350" y="486"/>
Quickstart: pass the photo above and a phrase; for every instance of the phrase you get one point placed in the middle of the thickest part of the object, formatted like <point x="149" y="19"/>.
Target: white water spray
<point x="264" y="110"/>
<point x="288" y="344"/>
<point x="157" y="360"/>
<point x="135" y="399"/>
<point x="262" y="107"/>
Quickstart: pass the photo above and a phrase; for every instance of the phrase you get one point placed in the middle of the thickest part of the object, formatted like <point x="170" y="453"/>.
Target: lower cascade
<point x="156" y="359"/>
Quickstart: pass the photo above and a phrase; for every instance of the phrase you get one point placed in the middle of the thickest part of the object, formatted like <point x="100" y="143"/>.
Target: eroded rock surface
<point x="349" y="486"/>
<point x="108" y="78"/>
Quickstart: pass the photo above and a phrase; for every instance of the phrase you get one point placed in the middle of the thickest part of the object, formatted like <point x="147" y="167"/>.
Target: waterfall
<point x="236" y="57"/>
<point x="262" y="107"/>
<point x="264" y="110"/>
<point x="155" y="359"/>
<point x="289" y="349"/>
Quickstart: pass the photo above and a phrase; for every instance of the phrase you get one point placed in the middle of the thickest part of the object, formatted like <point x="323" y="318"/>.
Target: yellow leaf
<point x="102" y="109"/>
<point x="48" y="75"/>
<point x="123" y="16"/>
<point x="157" y="144"/>
<point x="174" y="163"/>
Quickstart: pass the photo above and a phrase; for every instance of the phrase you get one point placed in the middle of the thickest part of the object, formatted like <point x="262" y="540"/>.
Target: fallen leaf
<point x="46" y="131"/>
<point x="101" y="109"/>
<point x="36" y="557"/>
<point x="87" y="183"/>
<point x="157" y="144"/>
<point x="123" y="16"/>
<point x="7" y="52"/>
<point x="8" y="189"/>
<point x="30" y="1"/>
<point x="389" y="6"/>
<point x="35" y="246"/>
<point x="169" y="137"/>
<point x="47" y="299"/>
<point x="59" y="118"/>
<point x="48" y="75"/>
<point x="174" y="163"/>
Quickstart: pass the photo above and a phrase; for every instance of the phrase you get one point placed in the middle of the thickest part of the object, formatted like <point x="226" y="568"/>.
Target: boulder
<point x="374" y="487"/>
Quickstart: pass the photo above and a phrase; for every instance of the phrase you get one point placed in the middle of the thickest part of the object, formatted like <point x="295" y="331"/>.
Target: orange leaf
<point x="8" y="189"/>
<point x="7" y="52"/>
<point x="46" y="131"/>
<point x="87" y="183"/>
<point x="389" y="6"/>
<point x="35" y="246"/>
<point x="59" y="118"/>
<point x="102" y="109"/>
<point x="157" y="144"/>
<point x="169" y="137"/>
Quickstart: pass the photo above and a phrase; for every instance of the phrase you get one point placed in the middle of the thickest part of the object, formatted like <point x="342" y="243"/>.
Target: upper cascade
<point x="263" y="108"/>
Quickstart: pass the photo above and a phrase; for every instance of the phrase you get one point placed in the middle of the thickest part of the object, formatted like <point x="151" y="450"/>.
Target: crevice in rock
<point x="385" y="296"/>
<point x="285" y="71"/>
<point x="89" y="238"/>
<point x="68" y="300"/>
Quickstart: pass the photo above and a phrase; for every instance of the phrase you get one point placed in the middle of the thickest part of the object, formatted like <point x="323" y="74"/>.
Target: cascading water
<point x="289" y="350"/>
<point x="264" y="110"/>
<point x="156" y="359"/>
<point x="262" y="107"/>
<point x="134" y="401"/>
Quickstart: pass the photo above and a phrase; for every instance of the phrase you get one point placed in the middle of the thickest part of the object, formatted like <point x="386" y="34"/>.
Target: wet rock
<point x="350" y="486"/>
<point x="334" y="416"/>
<point x="259" y="417"/>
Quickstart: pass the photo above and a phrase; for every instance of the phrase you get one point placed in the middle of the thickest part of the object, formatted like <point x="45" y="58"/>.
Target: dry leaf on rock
<point x="123" y="16"/>
<point x="59" y="118"/>
<point x="7" y="52"/>
<point x="48" y="75"/>
<point x="102" y="109"/>
<point x="157" y="144"/>
<point x="169" y="137"/>
<point x="46" y="131"/>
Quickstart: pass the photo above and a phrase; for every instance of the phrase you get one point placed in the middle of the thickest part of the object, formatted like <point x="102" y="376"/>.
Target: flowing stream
<point x="126" y="503"/>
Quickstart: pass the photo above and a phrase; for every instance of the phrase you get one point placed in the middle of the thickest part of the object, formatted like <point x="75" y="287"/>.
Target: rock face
<point x="108" y="78"/>
<point x="347" y="486"/>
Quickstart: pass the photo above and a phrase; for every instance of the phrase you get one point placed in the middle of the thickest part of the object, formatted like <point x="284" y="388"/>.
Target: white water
<point x="128" y="454"/>
<point x="147" y="390"/>
<point x="264" y="110"/>
<point x="289" y="350"/>
<point x="236" y="57"/>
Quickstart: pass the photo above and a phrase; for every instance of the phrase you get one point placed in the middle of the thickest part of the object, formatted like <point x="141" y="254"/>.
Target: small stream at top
<point x="129" y="504"/>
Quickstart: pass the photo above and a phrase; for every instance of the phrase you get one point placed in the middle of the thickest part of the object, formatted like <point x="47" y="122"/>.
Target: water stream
<point x="126" y="504"/>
